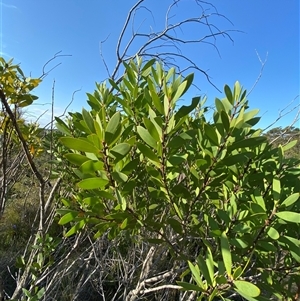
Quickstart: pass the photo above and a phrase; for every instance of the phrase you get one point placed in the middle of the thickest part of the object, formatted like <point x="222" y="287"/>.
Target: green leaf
<point x="210" y="265"/>
<point x="120" y="151"/>
<point x="79" y="144"/>
<point x="237" y="272"/>
<point x="147" y="67"/>
<point x="124" y="224"/>
<point x="68" y="217"/>
<point x="247" y="288"/>
<point x="228" y="94"/>
<point x="147" y="152"/>
<point x="75" y="228"/>
<point x="88" y="120"/>
<point x="189" y="80"/>
<point x="112" y="128"/>
<point x="119" y="177"/>
<point x="154" y="97"/>
<point x="89" y="167"/>
<point x="211" y="134"/>
<point x="276" y="189"/>
<point x="204" y="270"/>
<point x="145" y="135"/>
<point x="289" y="145"/>
<point x="152" y="128"/>
<point x="121" y="200"/>
<point x="180" y="91"/>
<point x="248" y="142"/>
<point x="289" y="216"/>
<point x="175" y="224"/>
<point x="185" y="110"/>
<point x="225" y="250"/>
<point x="62" y="127"/>
<point x="273" y="233"/>
<point x="237" y="159"/>
<point x="290" y="200"/>
<point x="92" y="183"/>
<point x="225" y="120"/>
<point x="196" y="275"/>
<point x="76" y="159"/>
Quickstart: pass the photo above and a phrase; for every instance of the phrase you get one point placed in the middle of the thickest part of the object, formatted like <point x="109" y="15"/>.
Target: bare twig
<point x="262" y="63"/>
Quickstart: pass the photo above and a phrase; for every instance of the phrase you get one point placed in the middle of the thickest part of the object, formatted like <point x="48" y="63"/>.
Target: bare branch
<point x="262" y="63"/>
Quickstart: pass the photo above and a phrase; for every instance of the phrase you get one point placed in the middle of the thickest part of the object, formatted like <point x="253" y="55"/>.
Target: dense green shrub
<point x="169" y="177"/>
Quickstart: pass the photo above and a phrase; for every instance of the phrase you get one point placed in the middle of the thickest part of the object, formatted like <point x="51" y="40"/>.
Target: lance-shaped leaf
<point x="89" y="167"/>
<point x="180" y="91"/>
<point x="228" y="94"/>
<point x="76" y="159"/>
<point x="276" y="189"/>
<point x="68" y="217"/>
<point x="289" y="216"/>
<point x="120" y="151"/>
<point x="225" y="250"/>
<point x="88" y="119"/>
<point x="113" y="129"/>
<point x="249" y="142"/>
<point x="211" y="134"/>
<point x="92" y="183"/>
<point x="204" y="270"/>
<point x="247" y="288"/>
<point x="196" y="275"/>
<point x="76" y="228"/>
<point x="147" y="152"/>
<point x="290" y="200"/>
<point x="145" y="135"/>
<point x="79" y="144"/>
<point x="62" y="127"/>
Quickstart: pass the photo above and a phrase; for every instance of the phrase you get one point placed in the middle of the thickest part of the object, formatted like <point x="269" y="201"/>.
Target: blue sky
<point x="33" y="31"/>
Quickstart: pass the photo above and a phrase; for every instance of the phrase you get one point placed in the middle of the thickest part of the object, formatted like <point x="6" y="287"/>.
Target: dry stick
<point x="263" y="63"/>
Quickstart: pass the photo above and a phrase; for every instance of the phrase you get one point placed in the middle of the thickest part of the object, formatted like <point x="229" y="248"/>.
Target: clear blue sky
<point x="33" y="31"/>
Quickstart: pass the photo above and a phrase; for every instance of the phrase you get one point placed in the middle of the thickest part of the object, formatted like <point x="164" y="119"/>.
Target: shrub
<point x="215" y="188"/>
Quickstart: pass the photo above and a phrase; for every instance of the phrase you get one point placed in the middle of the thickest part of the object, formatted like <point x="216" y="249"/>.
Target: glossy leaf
<point x="120" y="151"/>
<point x="145" y="135"/>
<point x="204" y="270"/>
<point x="247" y="288"/>
<point x="147" y="152"/>
<point x="290" y="200"/>
<point x="211" y="134"/>
<point x="112" y="128"/>
<point x="276" y="189"/>
<point x="76" y="159"/>
<point x="273" y="233"/>
<point x="228" y="94"/>
<point x="289" y="216"/>
<point x="226" y="254"/>
<point x="79" y="144"/>
<point x="185" y="110"/>
<point x="68" y="217"/>
<point x="92" y="183"/>
<point x="196" y="275"/>
<point x="88" y="120"/>
<point x="249" y="142"/>
<point x="75" y="228"/>
<point x="61" y="126"/>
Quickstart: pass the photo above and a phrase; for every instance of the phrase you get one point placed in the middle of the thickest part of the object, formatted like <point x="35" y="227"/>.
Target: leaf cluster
<point x="146" y="167"/>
